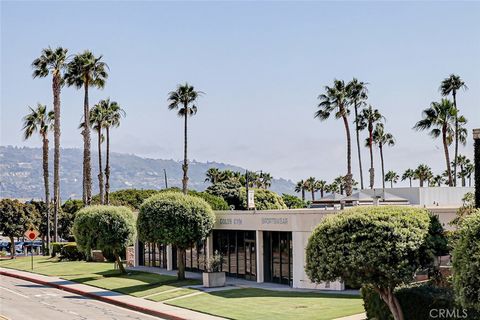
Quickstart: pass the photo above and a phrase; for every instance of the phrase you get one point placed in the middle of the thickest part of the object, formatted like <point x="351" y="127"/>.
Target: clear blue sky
<point x="261" y="65"/>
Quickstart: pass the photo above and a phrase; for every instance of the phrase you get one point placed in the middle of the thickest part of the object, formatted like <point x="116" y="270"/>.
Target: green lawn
<point x="99" y="274"/>
<point x="249" y="304"/>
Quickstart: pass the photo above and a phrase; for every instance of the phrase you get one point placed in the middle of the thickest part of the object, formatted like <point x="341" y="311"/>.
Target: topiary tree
<point x="377" y="246"/>
<point x="216" y="202"/>
<point x="15" y="218"/>
<point x="176" y="219"/>
<point x="106" y="228"/>
<point x="132" y="198"/>
<point x="466" y="262"/>
<point x="264" y="200"/>
<point x="66" y="218"/>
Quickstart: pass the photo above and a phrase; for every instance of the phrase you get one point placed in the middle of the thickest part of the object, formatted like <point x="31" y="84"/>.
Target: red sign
<point x="31" y="234"/>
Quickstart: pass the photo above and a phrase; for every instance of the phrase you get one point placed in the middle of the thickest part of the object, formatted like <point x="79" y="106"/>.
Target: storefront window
<point x="277" y="252"/>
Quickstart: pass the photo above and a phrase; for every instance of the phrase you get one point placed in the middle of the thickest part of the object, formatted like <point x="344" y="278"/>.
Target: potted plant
<point x="213" y="276"/>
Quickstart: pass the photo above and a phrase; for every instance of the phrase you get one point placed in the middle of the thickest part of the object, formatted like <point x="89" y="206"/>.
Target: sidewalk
<point x="138" y="304"/>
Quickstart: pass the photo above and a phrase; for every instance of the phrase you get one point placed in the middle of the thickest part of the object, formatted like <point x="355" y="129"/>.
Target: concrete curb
<point x="96" y="297"/>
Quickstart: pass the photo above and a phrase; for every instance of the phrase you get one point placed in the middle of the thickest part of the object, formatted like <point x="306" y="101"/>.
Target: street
<point x="21" y="299"/>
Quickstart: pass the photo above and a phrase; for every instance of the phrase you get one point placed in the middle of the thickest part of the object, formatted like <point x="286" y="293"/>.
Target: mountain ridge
<point x="21" y="174"/>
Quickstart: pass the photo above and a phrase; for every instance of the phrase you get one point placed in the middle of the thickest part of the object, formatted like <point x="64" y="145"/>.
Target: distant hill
<point x="21" y="173"/>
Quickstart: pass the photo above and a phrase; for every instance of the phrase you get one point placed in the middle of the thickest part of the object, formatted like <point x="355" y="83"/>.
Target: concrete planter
<point x="214" y="279"/>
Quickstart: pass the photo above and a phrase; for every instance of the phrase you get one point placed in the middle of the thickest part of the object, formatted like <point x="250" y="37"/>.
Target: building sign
<point x="274" y="221"/>
<point x="251" y="199"/>
<point x="229" y="221"/>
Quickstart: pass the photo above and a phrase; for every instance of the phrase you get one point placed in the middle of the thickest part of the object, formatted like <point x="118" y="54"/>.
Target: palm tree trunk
<point x="47" y="189"/>
<point x="410" y="182"/>
<point x="372" y="170"/>
<point x="107" y="168"/>
<point x="100" y="171"/>
<point x="380" y="146"/>
<point x="348" y="177"/>
<point x="447" y="157"/>
<point x="456" y="140"/>
<point x="313" y="195"/>
<point x="87" y="169"/>
<point x="358" y="145"/>
<point x="391" y="183"/>
<point x="463" y="176"/>
<point x="321" y="193"/>
<point x="185" y="160"/>
<point x="56" y="87"/>
<point x="303" y="194"/>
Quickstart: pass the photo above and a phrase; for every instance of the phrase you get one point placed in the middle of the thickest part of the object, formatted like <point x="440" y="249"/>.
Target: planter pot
<point x="214" y="279"/>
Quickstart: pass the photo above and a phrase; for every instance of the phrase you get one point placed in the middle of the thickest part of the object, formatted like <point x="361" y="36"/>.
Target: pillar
<point x="259" y="254"/>
<point x="476" y="138"/>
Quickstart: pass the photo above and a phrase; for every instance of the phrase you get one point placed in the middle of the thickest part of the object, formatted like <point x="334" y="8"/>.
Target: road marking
<point x="14" y="292"/>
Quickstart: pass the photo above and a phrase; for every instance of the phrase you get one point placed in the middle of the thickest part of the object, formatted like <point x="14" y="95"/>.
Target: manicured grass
<point x="99" y="274"/>
<point x="247" y="304"/>
<point x="172" y="294"/>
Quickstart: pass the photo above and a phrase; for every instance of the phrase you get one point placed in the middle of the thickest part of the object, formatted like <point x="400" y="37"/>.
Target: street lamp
<point x="246" y="185"/>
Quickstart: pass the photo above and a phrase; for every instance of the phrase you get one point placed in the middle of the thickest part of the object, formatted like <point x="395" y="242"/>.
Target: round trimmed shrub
<point x="177" y="219"/>
<point x="377" y="246"/>
<point x="264" y="199"/>
<point x="104" y="228"/>
<point x="466" y="262"/>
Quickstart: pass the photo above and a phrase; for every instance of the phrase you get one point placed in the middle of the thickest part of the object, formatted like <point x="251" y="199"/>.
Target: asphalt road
<point x="23" y="300"/>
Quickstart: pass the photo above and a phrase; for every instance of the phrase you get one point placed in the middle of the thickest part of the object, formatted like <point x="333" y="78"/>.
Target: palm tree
<point x="301" y="186"/>
<point x="332" y="188"/>
<point x="213" y="175"/>
<point x="320" y="185"/>
<point x="451" y="85"/>
<point x="265" y="180"/>
<point x="184" y="100"/>
<point x="440" y="117"/>
<point x="98" y="122"/>
<point x="423" y="173"/>
<point x="461" y="162"/>
<point x="408" y="174"/>
<point x="310" y="182"/>
<point x="113" y="114"/>
<point x="392" y="176"/>
<point x="86" y="70"/>
<point x="53" y="61"/>
<point x="436" y="181"/>
<point x="358" y="94"/>
<point x="336" y="100"/>
<point x="381" y="139"/>
<point x="469" y="170"/>
<point x="367" y="120"/>
<point x="39" y="120"/>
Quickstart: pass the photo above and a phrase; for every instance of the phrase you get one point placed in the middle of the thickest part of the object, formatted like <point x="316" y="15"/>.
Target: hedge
<point x="69" y="251"/>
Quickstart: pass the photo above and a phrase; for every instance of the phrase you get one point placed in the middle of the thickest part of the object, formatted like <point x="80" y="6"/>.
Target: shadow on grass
<point x="258" y="293"/>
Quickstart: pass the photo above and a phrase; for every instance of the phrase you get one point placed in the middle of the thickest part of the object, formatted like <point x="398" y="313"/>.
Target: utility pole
<point x="476" y="139"/>
<point x="166" y="182"/>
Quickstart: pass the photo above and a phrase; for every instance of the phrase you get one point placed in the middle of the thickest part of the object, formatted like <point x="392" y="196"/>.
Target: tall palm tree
<point x="381" y="139"/>
<point x="310" y="182"/>
<point x="184" y="100"/>
<point x="320" y="185"/>
<point x="358" y="94"/>
<point x="98" y="122"/>
<point x="40" y="120"/>
<point x="301" y="186"/>
<point x="53" y="61"/>
<point x="336" y="100"/>
<point x="213" y="175"/>
<point x="392" y="177"/>
<point x="113" y="115"/>
<point x="408" y="174"/>
<point x="440" y="118"/>
<point x="86" y="70"/>
<point x="367" y="119"/>
<point x="423" y="173"/>
<point x="451" y="85"/>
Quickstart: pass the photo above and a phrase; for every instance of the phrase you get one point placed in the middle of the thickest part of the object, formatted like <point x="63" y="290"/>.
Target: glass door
<point x="250" y="260"/>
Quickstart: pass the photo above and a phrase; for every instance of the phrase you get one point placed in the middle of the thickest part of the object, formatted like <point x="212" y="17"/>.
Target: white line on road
<point x="21" y="295"/>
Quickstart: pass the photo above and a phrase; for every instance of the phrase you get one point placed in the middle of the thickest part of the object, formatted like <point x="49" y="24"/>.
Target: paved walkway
<point x="138" y="304"/>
